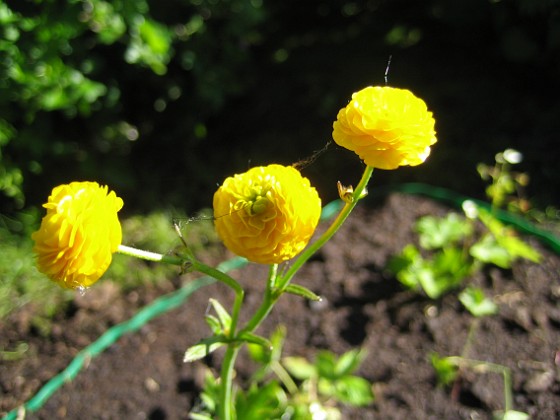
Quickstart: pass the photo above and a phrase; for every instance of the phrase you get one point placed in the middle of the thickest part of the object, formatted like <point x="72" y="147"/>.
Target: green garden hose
<point x="173" y="300"/>
<point x="158" y="307"/>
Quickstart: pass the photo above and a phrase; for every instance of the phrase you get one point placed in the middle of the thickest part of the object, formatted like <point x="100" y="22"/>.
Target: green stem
<point x="150" y="256"/>
<point x="224" y="278"/>
<point x="182" y="261"/>
<point x="284" y="377"/>
<point x="483" y="366"/>
<point x="217" y="274"/>
<point x="226" y="405"/>
<point x="333" y="228"/>
<point x="275" y="286"/>
<point x="226" y="375"/>
<point x="270" y="298"/>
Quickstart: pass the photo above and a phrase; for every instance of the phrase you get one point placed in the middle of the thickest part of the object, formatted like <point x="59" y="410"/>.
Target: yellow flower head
<point x="387" y="127"/>
<point x="267" y="214"/>
<point x="79" y="234"/>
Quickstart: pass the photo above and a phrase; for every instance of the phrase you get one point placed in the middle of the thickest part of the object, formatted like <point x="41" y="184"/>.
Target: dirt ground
<point x="142" y="376"/>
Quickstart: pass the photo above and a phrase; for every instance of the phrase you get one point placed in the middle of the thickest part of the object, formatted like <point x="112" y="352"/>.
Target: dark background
<point x="206" y="89"/>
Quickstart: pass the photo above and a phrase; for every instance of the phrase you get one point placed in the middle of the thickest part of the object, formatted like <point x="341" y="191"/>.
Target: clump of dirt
<point x="142" y="375"/>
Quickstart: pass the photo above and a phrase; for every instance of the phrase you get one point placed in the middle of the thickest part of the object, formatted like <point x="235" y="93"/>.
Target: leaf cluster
<point x="449" y="252"/>
<point x="286" y="387"/>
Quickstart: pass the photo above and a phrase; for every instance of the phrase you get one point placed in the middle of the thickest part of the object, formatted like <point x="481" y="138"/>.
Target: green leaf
<point x="477" y="303"/>
<point x="488" y="250"/>
<point x="150" y="45"/>
<point x="506" y="238"/>
<point x="223" y="315"/>
<point x="259" y="353"/>
<point x="213" y="323"/>
<point x="437" y="232"/>
<point x="349" y="362"/>
<point x="296" y="289"/>
<point x="426" y="278"/>
<point x="519" y="249"/>
<point x="256" y="339"/>
<point x="353" y="390"/>
<point x="446" y="369"/>
<point x="261" y="402"/>
<point x="406" y="265"/>
<point x="203" y="348"/>
<point x="199" y="416"/>
<point x="299" y="367"/>
<point x="447" y="271"/>
<point x="277" y="339"/>
<point x="510" y="415"/>
<point x="326" y="364"/>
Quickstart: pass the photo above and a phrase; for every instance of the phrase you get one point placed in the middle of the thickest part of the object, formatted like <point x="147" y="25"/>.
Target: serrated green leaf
<point x="203" y="348"/>
<point x="435" y="232"/>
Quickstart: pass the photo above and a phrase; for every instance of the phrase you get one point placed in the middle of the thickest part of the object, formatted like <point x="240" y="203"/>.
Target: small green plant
<point x="448" y="369"/>
<point x="476" y="302"/>
<point x="449" y="251"/>
<point x="291" y="387"/>
<point x="506" y="186"/>
<point x="506" y="190"/>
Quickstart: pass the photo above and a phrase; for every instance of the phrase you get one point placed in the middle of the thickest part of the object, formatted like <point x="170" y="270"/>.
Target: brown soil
<point x="142" y="375"/>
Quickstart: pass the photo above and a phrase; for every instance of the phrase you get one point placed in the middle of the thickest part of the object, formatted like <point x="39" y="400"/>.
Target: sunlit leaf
<point x="203" y="348"/>
<point x="435" y="232"/>
<point x="477" y="303"/>
<point x="446" y="369"/>
<point x="299" y="367"/>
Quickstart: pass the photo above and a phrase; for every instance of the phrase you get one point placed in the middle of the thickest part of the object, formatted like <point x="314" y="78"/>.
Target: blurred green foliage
<point x="69" y="67"/>
<point x="161" y="100"/>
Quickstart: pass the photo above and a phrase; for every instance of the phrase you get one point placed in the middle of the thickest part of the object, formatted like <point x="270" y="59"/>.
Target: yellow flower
<point x="387" y="127"/>
<point x="267" y="214"/>
<point x="79" y="234"/>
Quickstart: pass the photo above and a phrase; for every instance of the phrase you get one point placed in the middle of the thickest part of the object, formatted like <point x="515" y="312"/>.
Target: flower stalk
<point x="358" y="193"/>
<point x="275" y="288"/>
